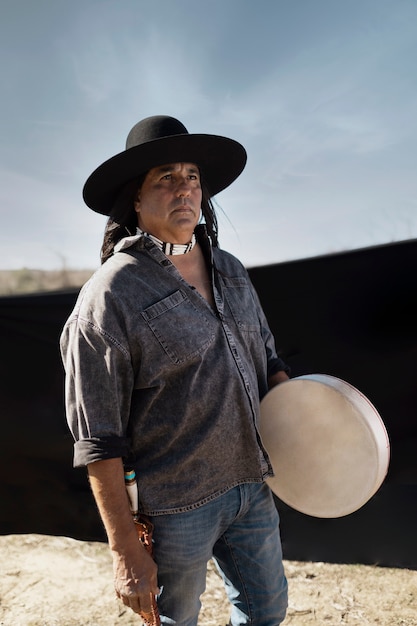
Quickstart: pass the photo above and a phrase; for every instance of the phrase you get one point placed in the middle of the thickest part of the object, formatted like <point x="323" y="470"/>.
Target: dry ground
<point x="57" y="581"/>
<point x="26" y="280"/>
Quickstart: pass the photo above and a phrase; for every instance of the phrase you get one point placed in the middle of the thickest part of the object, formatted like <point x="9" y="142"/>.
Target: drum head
<point x="327" y="444"/>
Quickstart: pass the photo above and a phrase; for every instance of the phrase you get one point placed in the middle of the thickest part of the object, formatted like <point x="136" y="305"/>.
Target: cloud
<point x="323" y="99"/>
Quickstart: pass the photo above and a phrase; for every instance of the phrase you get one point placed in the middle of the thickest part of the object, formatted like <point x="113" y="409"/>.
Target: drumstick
<point x="132" y="492"/>
<point x="144" y="529"/>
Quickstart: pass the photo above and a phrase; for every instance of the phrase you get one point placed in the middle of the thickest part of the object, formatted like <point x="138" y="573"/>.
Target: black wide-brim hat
<point x="159" y="140"/>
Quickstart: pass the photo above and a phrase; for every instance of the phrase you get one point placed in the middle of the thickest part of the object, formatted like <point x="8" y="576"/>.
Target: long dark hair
<point x="123" y="219"/>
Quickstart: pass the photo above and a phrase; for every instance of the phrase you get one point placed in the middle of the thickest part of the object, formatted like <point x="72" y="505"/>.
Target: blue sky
<point x="322" y="93"/>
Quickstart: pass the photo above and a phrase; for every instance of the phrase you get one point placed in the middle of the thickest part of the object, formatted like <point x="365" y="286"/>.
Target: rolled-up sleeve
<point x="98" y="390"/>
<point x="98" y="449"/>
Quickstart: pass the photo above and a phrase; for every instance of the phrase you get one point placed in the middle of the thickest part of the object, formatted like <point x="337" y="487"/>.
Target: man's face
<point x="168" y="205"/>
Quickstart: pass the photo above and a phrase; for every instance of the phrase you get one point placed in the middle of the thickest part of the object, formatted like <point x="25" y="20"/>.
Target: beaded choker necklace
<point x="170" y="248"/>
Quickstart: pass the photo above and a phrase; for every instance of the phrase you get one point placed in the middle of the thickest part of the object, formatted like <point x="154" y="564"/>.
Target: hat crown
<point x="154" y="127"/>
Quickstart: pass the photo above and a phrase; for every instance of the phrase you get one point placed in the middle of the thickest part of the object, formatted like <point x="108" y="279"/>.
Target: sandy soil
<point x="58" y="581"/>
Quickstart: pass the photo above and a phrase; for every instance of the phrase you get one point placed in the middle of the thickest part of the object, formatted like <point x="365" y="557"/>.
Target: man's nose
<point x="183" y="188"/>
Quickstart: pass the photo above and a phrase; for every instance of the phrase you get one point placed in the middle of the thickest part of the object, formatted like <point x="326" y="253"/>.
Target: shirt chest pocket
<point x="179" y="327"/>
<point x="241" y="304"/>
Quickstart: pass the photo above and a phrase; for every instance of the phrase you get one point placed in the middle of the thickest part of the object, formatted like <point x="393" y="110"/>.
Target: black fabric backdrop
<point x="352" y="315"/>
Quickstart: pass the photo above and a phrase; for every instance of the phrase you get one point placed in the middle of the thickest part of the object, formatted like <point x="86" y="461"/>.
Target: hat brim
<point x="220" y="159"/>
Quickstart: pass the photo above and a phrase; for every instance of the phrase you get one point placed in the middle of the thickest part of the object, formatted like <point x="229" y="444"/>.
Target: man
<point x="167" y="355"/>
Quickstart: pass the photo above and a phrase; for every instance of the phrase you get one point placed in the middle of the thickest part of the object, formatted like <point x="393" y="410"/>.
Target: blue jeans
<point x="240" y="530"/>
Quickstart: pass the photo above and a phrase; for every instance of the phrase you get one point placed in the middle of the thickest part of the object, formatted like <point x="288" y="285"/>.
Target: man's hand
<point x="276" y="379"/>
<point x="135" y="578"/>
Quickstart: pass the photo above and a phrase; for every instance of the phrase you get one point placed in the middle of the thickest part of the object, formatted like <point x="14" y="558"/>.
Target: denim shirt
<point x="158" y="377"/>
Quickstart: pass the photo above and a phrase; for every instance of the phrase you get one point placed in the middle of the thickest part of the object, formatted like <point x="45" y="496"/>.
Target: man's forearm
<point x="135" y="572"/>
<point x="108" y="487"/>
